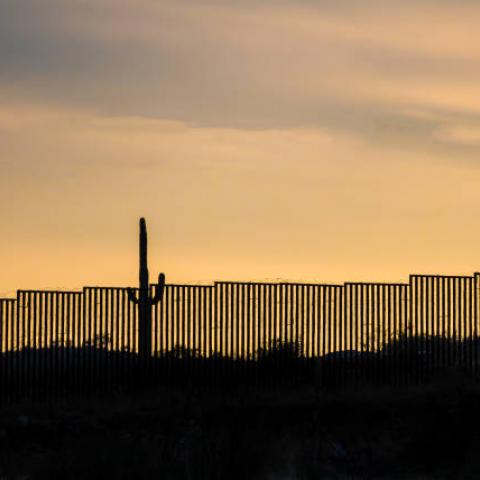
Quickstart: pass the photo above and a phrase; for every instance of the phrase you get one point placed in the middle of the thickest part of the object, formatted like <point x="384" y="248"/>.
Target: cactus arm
<point x="131" y="296"/>
<point x="159" y="290"/>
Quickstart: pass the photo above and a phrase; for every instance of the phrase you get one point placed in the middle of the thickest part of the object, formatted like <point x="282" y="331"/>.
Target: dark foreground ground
<point x="432" y="432"/>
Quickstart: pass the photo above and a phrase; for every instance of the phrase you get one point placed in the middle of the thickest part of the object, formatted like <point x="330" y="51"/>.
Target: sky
<point x="291" y="140"/>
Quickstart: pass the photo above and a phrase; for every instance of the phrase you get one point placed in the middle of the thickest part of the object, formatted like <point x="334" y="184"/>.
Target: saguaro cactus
<point x="145" y="301"/>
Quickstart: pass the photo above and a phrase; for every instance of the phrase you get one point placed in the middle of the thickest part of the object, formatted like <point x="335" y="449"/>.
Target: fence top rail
<point x="229" y="282"/>
<point x="90" y="287"/>
<point x="377" y="284"/>
<point x="424" y="275"/>
<point x="69" y="292"/>
<point x="412" y="277"/>
<point x="12" y="300"/>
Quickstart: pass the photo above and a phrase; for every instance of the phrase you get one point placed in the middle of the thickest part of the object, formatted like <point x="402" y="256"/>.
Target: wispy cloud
<point x="252" y="65"/>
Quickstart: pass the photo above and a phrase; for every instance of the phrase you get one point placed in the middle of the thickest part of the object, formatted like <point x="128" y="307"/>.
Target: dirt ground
<point x="422" y="433"/>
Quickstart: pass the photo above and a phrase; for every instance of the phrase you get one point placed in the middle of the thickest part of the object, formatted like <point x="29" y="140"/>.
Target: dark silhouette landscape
<point x="242" y="380"/>
<point x="238" y="239"/>
<point x="252" y="334"/>
<point x="188" y="432"/>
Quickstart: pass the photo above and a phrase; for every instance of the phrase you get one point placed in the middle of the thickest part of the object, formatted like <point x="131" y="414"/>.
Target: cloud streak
<point x="221" y="64"/>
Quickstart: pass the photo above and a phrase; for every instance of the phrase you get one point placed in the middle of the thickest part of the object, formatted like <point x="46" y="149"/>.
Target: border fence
<point x="58" y="342"/>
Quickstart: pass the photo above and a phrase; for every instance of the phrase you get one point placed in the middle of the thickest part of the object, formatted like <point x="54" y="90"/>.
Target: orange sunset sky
<point x="299" y="140"/>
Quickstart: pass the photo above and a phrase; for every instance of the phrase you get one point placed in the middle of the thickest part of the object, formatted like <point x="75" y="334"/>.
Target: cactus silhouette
<point x="145" y="301"/>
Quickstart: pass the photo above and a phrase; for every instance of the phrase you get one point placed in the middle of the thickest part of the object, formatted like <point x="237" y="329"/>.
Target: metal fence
<point x="55" y="342"/>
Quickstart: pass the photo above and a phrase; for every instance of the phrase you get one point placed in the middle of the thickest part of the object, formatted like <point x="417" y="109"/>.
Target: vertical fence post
<point x="60" y="342"/>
